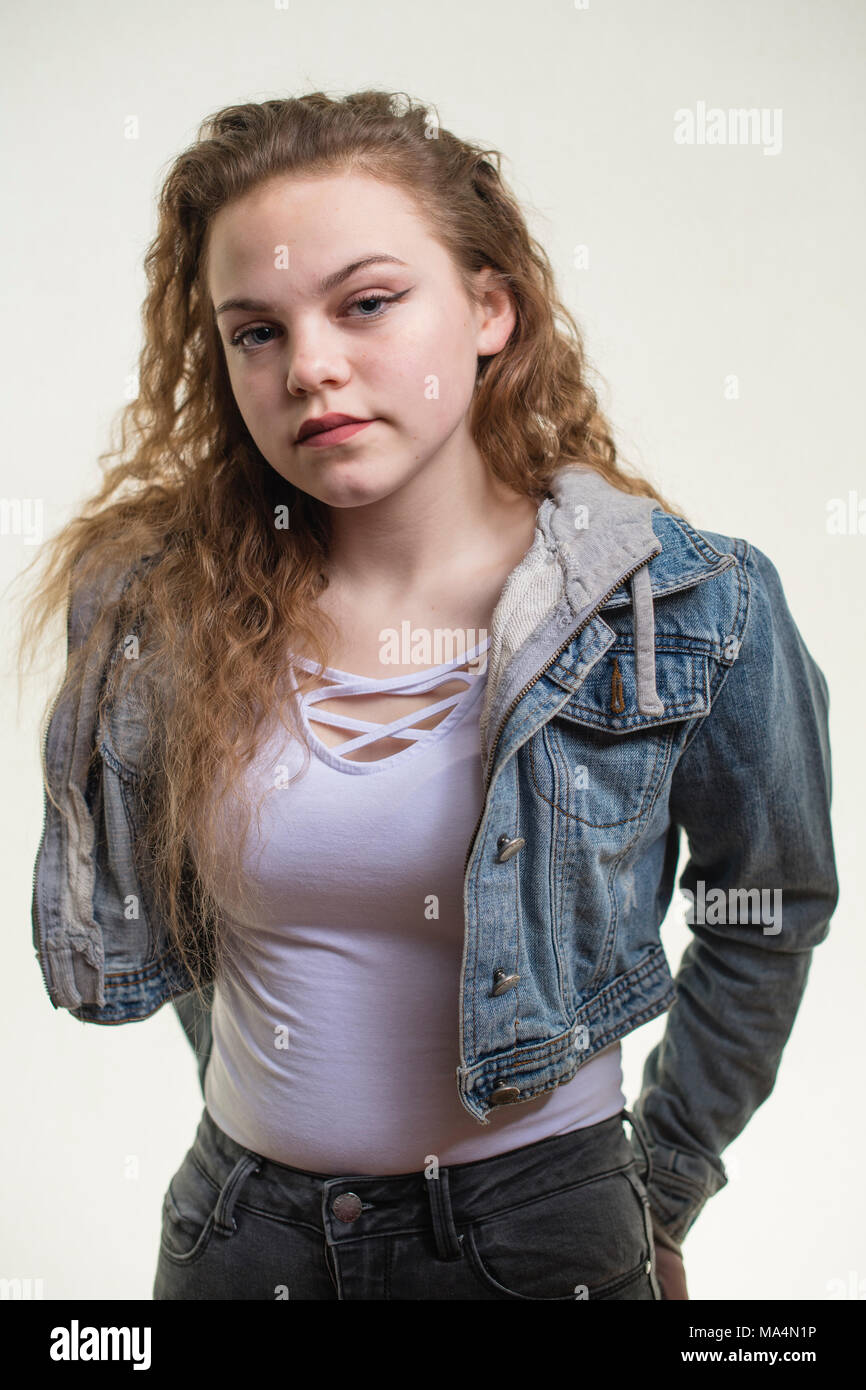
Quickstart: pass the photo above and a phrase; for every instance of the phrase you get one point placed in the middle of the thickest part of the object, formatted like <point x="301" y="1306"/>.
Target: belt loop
<point x="224" y="1221"/>
<point x="448" y="1243"/>
<point x="644" y="1141"/>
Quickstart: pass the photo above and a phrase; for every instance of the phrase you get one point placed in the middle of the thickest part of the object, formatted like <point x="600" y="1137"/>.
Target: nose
<point x="315" y="360"/>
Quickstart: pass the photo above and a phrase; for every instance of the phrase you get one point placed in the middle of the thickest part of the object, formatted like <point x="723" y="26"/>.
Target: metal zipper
<point x="588" y="619"/>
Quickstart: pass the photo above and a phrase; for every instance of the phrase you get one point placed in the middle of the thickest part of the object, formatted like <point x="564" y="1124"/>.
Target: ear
<point x="495" y="312"/>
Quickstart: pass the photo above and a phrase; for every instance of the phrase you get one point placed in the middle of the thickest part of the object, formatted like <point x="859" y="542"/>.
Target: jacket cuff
<point x="73" y="974"/>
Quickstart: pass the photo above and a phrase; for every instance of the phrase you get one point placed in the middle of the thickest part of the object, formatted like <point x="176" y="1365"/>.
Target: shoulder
<point x="697" y="551"/>
<point x="729" y="589"/>
<point x="768" y="668"/>
<point x="93" y="591"/>
<point x="675" y="530"/>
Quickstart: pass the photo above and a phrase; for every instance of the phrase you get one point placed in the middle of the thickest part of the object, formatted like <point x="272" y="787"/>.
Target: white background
<point x="704" y="262"/>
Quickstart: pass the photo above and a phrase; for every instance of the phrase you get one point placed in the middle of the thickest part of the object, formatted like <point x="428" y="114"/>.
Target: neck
<point x="451" y="518"/>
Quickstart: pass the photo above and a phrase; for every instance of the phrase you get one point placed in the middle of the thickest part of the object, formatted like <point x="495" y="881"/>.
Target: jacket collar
<point x="594" y="546"/>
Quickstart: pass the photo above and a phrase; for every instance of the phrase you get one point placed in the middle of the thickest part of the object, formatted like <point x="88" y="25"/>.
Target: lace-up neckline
<point x="347" y="683"/>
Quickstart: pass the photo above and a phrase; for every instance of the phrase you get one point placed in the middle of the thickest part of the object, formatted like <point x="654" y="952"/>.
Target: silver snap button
<point x="508" y="848"/>
<point x="504" y="1095"/>
<point x="502" y="981"/>
<point x="346" y="1207"/>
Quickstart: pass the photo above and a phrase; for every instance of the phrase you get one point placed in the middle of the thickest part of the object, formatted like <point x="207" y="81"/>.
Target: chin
<point x="354" y="482"/>
<point x="353" y="496"/>
<point x="334" y="491"/>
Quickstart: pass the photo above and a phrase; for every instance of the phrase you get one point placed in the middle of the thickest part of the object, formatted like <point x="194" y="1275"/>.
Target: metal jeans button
<point x="346" y="1207"/>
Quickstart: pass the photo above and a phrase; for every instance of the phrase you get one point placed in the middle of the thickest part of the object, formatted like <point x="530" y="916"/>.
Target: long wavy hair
<point x="180" y="538"/>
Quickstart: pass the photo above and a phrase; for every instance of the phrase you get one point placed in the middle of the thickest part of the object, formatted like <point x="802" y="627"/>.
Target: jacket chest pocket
<point x="602" y="762"/>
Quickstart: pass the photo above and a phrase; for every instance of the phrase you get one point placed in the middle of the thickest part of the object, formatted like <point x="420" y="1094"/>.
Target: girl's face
<point x="395" y="341"/>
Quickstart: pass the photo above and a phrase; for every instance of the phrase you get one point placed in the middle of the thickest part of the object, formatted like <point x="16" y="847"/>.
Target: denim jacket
<point x="643" y="678"/>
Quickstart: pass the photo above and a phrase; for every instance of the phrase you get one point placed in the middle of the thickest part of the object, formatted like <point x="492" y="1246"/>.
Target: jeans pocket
<point x="590" y="1240"/>
<point x="188" y="1212"/>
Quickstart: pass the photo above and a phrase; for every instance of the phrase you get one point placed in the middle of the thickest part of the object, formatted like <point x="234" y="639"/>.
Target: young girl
<point x="376" y="574"/>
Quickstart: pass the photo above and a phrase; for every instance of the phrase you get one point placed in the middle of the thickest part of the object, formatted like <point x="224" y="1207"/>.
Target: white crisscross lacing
<point x="349" y="684"/>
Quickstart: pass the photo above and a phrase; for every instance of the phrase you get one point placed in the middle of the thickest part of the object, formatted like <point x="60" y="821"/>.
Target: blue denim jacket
<point x="643" y="678"/>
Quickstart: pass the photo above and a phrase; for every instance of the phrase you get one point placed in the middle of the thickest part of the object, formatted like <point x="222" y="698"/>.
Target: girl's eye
<point x="238" y="340"/>
<point x="368" y="298"/>
<point x="362" y="301"/>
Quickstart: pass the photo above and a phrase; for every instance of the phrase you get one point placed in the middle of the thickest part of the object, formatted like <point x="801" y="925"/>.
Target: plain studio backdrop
<point x="720" y="287"/>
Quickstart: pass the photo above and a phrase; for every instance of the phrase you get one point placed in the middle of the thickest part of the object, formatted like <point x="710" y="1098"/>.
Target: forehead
<point x="312" y="226"/>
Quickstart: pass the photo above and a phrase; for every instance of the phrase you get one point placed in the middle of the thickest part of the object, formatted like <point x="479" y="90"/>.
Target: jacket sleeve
<point x="66" y="937"/>
<point x="752" y="791"/>
<point x="195" y="1019"/>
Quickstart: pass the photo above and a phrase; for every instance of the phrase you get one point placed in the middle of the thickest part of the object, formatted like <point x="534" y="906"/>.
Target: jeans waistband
<point x="355" y="1206"/>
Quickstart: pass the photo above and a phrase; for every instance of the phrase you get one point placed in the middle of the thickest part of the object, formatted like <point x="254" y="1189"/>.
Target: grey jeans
<point x="566" y="1218"/>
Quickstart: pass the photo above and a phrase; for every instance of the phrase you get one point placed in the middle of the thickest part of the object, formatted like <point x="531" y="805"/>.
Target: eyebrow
<point x="330" y="282"/>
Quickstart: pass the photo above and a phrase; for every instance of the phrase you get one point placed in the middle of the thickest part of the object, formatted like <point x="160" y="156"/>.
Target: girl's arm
<point x="752" y="791"/>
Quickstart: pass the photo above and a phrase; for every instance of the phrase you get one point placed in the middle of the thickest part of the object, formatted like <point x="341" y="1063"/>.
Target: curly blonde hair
<point x="180" y="538"/>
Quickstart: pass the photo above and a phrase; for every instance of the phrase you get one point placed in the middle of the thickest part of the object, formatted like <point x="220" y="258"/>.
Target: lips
<point x="326" y="423"/>
<point x="337" y="434"/>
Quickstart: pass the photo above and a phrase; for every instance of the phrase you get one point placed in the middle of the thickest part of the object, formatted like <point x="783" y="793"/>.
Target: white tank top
<point x="335" y="1030"/>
